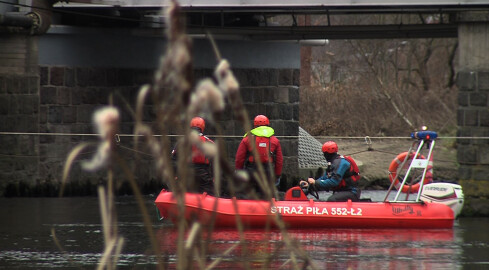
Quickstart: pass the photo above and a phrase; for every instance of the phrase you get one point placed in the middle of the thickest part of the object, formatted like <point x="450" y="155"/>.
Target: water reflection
<point x="334" y="248"/>
<point x="26" y="241"/>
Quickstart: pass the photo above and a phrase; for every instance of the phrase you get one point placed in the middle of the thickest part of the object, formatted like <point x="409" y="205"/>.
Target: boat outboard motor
<point x="446" y="193"/>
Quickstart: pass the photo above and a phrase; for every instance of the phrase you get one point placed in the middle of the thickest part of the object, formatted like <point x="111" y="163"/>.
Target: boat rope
<point x="119" y="143"/>
<point x="46" y="157"/>
<point x="234" y="136"/>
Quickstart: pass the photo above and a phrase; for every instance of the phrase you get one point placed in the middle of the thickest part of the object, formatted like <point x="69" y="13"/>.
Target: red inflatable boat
<point x="435" y="206"/>
<point x="299" y="211"/>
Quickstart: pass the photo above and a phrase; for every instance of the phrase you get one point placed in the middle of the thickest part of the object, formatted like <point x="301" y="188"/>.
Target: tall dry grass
<point x="176" y="99"/>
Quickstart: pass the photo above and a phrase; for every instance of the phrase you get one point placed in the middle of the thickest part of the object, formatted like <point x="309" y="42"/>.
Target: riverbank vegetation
<point x="379" y="87"/>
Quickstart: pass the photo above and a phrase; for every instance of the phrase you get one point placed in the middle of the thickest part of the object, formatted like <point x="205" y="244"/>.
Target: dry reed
<point x="176" y="101"/>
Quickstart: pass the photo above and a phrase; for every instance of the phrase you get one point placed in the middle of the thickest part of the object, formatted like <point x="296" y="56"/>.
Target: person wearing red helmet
<point x="202" y="165"/>
<point x="337" y="176"/>
<point x="269" y="152"/>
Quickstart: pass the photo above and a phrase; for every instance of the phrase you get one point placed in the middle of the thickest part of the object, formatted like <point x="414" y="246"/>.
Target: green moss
<point x="474" y="188"/>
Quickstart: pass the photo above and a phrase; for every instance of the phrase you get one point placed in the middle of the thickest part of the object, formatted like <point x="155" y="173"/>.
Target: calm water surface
<point x="26" y="241"/>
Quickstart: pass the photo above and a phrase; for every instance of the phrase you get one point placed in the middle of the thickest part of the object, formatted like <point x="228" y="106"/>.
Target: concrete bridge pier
<point x="473" y="112"/>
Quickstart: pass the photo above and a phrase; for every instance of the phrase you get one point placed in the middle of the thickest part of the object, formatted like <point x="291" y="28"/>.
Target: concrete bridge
<point x="59" y="61"/>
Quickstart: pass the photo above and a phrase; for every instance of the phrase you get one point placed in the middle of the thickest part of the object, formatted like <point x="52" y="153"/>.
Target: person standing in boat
<point x="336" y="178"/>
<point x="269" y="151"/>
<point x="202" y="165"/>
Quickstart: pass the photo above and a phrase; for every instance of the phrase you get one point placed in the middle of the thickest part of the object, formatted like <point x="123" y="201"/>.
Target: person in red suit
<point x="269" y="152"/>
<point x="202" y="165"/>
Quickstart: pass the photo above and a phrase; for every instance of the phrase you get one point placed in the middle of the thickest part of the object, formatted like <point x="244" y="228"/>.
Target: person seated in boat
<point x="202" y="165"/>
<point x="269" y="152"/>
<point x="336" y="178"/>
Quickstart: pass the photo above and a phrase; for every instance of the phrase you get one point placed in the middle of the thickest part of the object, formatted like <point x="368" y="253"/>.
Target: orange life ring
<point x="396" y="162"/>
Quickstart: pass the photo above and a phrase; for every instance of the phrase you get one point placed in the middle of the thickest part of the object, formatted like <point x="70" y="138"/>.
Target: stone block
<point x="30" y="104"/>
<point x="76" y="95"/>
<point x="28" y="145"/>
<point x="272" y="112"/>
<point x="23" y="84"/>
<point x="56" y="76"/>
<point x="12" y="84"/>
<point x="281" y="95"/>
<point x="247" y="94"/>
<point x="82" y="77"/>
<point x="286" y="111"/>
<point x="263" y="77"/>
<point x="3" y="85"/>
<point x="69" y="114"/>
<point x="70" y="77"/>
<point x="471" y="118"/>
<point x="479" y="133"/>
<point x="291" y="128"/>
<point x="467" y="155"/>
<point x="484" y="155"/>
<point x="293" y="94"/>
<point x="11" y="140"/>
<point x="90" y="96"/>
<point x="475" y="188"/>
<point x="84" y="113"/>
<point x="460" y="117"/>
<point x="285" y="77"/>
<point x="291" y="167"/>
<point x="463" y="98"/>
<point x="279" y="127"/>
<point x="63" y="96"/>
<point x="97" y="77"/>
<point x="259" y="95"/>
<point x="478" y="207"/>
<point x="125" y="116"/>
<point x="48" y="95"/>
<point x="43" y="76"/>
<point x="478" y="99"/>
<point x="6" y="165"/>
<point x="143" y="76"/>
<point x="464" y="132"/>
<point x="286" y="146"/>
<point x="239" y="129"/>
<point x="484" y="118"/>
<point x="228" y="128"/>
<point x="255" y="109"/>
<point x="46" y="139"/>
<point x="269" y="94"/>
<point x="125" y="77"/>
<point x="242" y="77"/>
<point x="4" y="104"/>
<point x="297" y="77"/>
<point x="295" y="109"/>
<point x="483" y="81"/>
<point x="55" y="114"/>
<point x="480" y="172"/>
<point x="466" y="80"/>
<point x="24" y="123"/>
<point x="33" y="85"/>
<point x="465" y="172"/>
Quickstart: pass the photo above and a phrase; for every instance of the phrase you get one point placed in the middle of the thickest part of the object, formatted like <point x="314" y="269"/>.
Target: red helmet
<point x="330" y="147"/>
<point x="261" y="120"/>
<point x="198" y="122"/>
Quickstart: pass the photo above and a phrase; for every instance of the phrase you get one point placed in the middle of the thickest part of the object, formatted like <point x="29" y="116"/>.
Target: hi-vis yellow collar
<point x="262" y="131"/>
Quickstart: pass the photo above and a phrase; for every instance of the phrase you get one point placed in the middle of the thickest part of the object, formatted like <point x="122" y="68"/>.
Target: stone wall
<point x="63" y="100"/>
<point x="19" y="109"/>
<point x="473" y="152"/>
<point x="473" y="116"/>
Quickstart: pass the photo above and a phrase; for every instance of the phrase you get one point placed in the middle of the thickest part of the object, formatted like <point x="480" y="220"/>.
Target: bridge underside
<point x="247" y="20"/>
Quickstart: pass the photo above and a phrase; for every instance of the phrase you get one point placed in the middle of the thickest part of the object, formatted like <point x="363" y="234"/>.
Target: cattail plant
<point x="177" y="99"/>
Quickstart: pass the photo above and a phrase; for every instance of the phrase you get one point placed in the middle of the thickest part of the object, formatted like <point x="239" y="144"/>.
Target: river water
<point x="27" y="242"/>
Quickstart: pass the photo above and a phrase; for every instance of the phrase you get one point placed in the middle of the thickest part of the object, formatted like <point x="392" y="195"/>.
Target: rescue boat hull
<point x="223" y="212"/>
